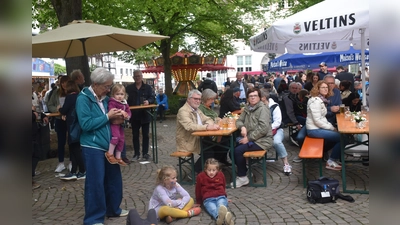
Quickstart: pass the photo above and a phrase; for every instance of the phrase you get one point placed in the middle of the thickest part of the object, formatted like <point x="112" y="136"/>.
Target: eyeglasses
<point x="323" y="87"/>
<point x="107" y="87"/>
<point x="330" y="82"/>
<point x="253" y="96"/>
<point x="196" y="99"/>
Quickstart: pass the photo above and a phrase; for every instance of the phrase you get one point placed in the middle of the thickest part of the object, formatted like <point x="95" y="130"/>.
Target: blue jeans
<point x="301" y="120"/>
<point x="103" y="187"/>
<point x="301" y="135"/>
<point x="278" y="145"/>
<point x="212" y="205"/>
<point x="240" y="161"/>
<point x="61" y="130"/>
<point x="330" y="137"/>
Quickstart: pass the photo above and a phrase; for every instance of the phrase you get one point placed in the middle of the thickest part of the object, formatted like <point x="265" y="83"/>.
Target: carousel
<point x="185" y="66"/>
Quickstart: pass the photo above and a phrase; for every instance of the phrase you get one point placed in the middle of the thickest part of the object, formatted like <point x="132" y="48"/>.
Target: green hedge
<point x="174" y="103"/>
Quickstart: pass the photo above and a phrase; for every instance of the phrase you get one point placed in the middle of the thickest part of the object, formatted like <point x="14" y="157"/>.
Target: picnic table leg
<point x="342" y="148"/>
<point x="231" y="150"/>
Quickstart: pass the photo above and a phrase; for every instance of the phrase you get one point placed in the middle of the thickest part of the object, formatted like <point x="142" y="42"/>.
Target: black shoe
<point x="146" y="157"/>
<point x="226" y="163"/>
<point x="126" y="160"/>
<point x="135" y="158"/>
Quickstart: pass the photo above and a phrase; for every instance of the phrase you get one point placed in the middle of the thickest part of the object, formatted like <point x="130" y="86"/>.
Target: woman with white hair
<point x="103" y="184"/>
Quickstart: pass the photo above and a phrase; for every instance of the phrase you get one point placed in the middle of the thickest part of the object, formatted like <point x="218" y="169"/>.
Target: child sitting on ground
<point x="210" y="192"/>
<point x="169" y="199"/>
<point x="118" y="101"/>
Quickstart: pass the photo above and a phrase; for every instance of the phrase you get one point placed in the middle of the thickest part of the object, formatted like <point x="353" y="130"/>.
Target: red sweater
<point x="207" y="187"/>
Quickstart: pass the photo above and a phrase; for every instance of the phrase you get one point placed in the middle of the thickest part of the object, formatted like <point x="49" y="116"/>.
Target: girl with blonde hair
<point x="170" y="199"/>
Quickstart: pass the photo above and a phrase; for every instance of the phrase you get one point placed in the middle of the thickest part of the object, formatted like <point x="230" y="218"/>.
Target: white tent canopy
<point x="329" y="26"/>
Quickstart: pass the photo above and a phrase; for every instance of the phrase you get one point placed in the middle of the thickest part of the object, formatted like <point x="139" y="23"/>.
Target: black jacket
<point x="135" y="96"/>
<point x="208" y="84"/>
<point x="346" y="76"/>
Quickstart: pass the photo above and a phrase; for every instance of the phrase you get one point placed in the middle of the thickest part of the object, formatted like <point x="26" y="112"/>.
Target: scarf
<point x="326" y="101"/>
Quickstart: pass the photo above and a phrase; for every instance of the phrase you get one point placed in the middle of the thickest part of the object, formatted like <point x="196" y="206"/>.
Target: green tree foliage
<point x="212" y="24"/>
<point x="58" y="69"/>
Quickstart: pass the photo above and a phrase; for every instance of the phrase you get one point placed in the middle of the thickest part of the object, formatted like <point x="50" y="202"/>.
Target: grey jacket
<point x="258" y="125"/>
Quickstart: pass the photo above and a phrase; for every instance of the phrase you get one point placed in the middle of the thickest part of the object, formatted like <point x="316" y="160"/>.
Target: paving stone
<point x="283" y="201"/>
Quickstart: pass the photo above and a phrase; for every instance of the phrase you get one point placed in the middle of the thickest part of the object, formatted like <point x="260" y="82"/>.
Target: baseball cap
<point x="236" y="89"/>
<point x="267" y="85"/>
<point x="323" y="64"/>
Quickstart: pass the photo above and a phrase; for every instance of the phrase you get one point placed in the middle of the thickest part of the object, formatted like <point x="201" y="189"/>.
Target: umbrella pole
<point x="364" y="98"/>
<point x="86" y="69"/>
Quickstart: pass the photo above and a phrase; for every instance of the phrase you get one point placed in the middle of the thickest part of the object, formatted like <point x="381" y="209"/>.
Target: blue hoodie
<point x="94" y="123"/>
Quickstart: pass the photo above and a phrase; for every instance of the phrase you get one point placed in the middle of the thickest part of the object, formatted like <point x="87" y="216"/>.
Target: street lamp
<point x="109" y="60"/>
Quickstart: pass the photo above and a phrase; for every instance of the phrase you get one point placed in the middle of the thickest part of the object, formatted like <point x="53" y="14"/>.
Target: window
<point x="130" y="72"/>
<point x="248" y="68"/>
<point x="127" y="72"/>
<point x="239" y="69"/>
<point x="121" y="71"/>
<point x="247" y="60"/>
<point x="239" y="60"/>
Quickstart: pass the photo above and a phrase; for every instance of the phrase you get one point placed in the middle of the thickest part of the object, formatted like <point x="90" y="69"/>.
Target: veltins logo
<point x="297" y="28"/>
<point x="334" y="45"/>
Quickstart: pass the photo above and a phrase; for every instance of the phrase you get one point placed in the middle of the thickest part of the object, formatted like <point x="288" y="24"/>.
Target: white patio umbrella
<point x="329" y="26"/>
<point x="83" y="38"/>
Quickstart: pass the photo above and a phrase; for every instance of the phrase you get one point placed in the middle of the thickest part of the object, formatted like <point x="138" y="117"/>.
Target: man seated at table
<point x="190" y="119"/>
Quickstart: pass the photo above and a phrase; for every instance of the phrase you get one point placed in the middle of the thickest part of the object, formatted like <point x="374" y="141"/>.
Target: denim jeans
<point x="240" y="161"/>
<point x="212" y="205"/>
<point x="301" y="135"/>
<point x="136" y="125"/>
<point x="278" y="145"/>
<point x="331" y="138"/>
<point x="103" y="187"/>
<point x="301" y="120"/>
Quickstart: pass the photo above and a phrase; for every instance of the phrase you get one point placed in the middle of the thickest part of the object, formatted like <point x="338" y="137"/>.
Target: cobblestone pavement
<point x="283" y="201"/>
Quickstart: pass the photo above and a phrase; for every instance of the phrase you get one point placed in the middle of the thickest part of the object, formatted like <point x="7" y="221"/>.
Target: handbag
<point x="323" y="190"/>
<point x="74" y="131"/>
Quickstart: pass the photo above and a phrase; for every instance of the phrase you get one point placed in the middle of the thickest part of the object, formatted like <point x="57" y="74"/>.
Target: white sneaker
<point x="70" y="166"/>
<point x="297" y="159"/>
<point x="60" y="167"/>
<point x="241" y="181"/>
<point x="287" y="169"/>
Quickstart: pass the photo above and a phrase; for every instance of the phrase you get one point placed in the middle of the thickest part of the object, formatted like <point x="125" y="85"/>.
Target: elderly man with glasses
<point x="190" y="119"/>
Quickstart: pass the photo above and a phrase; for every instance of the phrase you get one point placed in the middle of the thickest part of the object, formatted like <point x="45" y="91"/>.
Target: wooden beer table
<point x="153" y="114"/>
<point x="345" y="127"/>
<point x="231" y="145"/>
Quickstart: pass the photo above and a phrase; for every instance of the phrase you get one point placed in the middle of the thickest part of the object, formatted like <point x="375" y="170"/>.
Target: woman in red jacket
<point x="210" y="192"/>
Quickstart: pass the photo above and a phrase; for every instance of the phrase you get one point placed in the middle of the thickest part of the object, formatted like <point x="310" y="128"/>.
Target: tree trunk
<point x="166" y="52"/>
<point x="67" y="11"/>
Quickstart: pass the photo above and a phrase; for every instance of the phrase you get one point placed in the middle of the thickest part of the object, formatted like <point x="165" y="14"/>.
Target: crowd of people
<point x="93" y="119"/>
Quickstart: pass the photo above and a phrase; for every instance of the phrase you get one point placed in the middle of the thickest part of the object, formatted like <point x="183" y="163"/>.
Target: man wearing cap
<point x="242" y="85"/>
<point x="343" y="75"/>
<point x="323" y="70"/>
<point x="268" y="87"/>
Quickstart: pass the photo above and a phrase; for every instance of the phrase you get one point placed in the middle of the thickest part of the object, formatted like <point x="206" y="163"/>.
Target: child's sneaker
<point x="169" y="219"/>
<point x="110" y="158"/>
<point x="228" y="219"/>
<point x="194" y="212"/>
<point x="121" y="162"/>
<point x="221" y="214"/>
